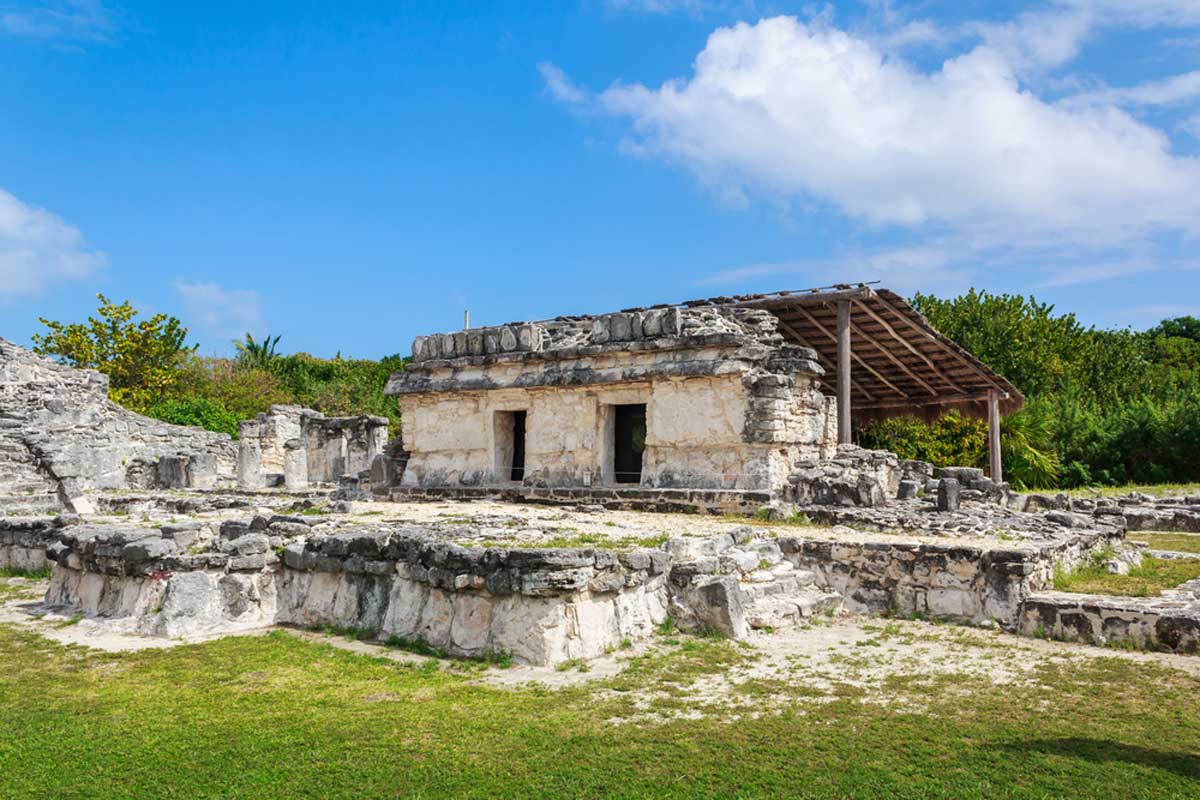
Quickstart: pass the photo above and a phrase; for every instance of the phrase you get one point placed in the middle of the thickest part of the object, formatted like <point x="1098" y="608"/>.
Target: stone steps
<point x="29" y="505"/>
<point x="787" y="597"/>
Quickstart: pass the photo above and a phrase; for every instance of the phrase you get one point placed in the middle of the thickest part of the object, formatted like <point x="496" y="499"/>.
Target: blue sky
<point x="349" y="175"/>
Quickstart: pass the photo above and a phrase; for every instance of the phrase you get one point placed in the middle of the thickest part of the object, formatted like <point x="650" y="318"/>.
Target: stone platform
<point x="542" y="583"/>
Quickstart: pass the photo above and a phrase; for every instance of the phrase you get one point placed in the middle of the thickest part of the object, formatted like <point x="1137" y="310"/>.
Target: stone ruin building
<point x="295" y="447"/>
<point x="748" y="394"/>
<point x="536" y="440"/>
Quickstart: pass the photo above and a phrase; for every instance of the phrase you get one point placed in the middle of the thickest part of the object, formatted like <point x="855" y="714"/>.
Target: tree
<point x="1181" y="327"/>
<point x="256" y="355"/>
<point x="140" y="357"/>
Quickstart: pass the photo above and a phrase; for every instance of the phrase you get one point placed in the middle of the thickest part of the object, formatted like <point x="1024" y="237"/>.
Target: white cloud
<point x="1191" y="126"/>
<point x="559" y="85"/>
<point x="1053" y="35"/>
<point x="808" y="111"/>
<point x="37" y="249"/>
<point x="71" y="20"/>
<point x="220" y="312"/>
<point x="1168" y="91"/>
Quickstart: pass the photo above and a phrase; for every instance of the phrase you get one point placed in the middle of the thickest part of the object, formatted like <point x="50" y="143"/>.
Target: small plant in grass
<point x="666" y="627"/>
<point x="577" y="664"/>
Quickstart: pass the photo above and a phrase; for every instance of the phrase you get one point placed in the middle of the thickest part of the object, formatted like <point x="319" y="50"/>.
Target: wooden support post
<point x="843" y="371"/>
<point x="994" y="435"/>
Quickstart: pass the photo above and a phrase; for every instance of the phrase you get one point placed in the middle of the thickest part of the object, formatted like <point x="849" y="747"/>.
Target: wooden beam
<point x="903" y="367"/>
<point x="843" y="370"/>
<point x="813" y="320"/>
<point x="884" y="302"/>
<point x="887" y="326"/>
<point x="945" y="400"/>
<point x="994" y="436"/>
<point x="796" y="334"/>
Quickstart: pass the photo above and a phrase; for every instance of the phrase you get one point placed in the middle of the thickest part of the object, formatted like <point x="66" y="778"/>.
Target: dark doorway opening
<point x="518" y="448"/>
<point x="629" y="440"/>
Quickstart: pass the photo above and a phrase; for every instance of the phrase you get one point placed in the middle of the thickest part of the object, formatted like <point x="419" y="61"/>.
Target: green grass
<point x="597" y="541"/>
<point x="1146" y="580"/>
<point x="1154" y="489"/>
<point x="763" y="517"/>
<point x="278" y="716"/>
<point x="33" y="574"/>
<point x="1177" y="542"/>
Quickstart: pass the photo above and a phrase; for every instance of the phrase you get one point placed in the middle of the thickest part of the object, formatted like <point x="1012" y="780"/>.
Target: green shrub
<point x="199" y="411"/>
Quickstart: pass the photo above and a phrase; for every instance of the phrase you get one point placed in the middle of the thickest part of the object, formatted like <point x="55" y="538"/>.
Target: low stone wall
<point x="192" y="603"/>
<point x="960" y="583"/>
<point x="854" y="476"/>
<point x="1170" y="622"/>
<point x="688" y="501"/>
<point x="23" y="541"/>
<point x="539" y="606"/>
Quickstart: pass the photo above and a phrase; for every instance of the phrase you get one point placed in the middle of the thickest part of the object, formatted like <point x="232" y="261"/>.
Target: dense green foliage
<point x="201" y="411"/>
<point x="1104" y="406"/>
<point x="336" y="386"/>
<point x="154" y="371"/>
<point x="139" y="357"/>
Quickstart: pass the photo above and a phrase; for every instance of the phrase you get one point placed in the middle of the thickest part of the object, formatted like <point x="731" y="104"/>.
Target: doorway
<point x="518" y="438"/>
<point x="629" y="441"/>
<point x="509" y="431"/>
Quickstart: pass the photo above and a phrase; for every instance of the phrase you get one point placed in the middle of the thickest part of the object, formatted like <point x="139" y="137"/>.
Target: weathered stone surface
<point x="948" y="494"/>
<point x="64" y="438"/>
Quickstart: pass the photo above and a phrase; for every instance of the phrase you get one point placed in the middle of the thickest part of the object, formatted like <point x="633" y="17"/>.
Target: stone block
<point x="622" y="328"/>
<point x="964" y="475"/>
<point x="908" y="490"/>
<point x="250" y="544"/>
<point x="601" y="331"/>
<point x="948" y="494"/>
<point x="508" y="339"/>
<point x="418" y="348"/>
<point x="652" y="323"/>
<point x="148" y="550"/>
<point x="170" y="472"/>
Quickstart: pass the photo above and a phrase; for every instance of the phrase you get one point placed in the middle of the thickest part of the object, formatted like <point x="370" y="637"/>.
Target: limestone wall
<point x="729" y="403"/>
<point x="23" y="542"/>
<point x="1171" y="621"/>
<point x="295" y="447"/>
<point x="707" y="431"/>
<point x="60" y="433"/>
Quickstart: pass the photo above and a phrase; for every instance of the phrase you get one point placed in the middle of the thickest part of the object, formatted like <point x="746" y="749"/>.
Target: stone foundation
<point x="1170" y="622"/>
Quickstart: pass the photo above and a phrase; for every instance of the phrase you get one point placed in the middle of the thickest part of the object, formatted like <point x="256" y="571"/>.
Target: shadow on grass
<point x="1100" y="750"/>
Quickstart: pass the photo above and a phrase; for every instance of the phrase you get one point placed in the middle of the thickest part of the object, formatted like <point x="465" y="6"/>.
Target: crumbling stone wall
<point x="60" y="433"/>
<point x="295" y="447"/>
<point x="729" y="404"/>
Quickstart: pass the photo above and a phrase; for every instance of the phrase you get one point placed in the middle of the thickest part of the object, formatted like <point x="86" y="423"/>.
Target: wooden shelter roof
<point x="900" y="364"/>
